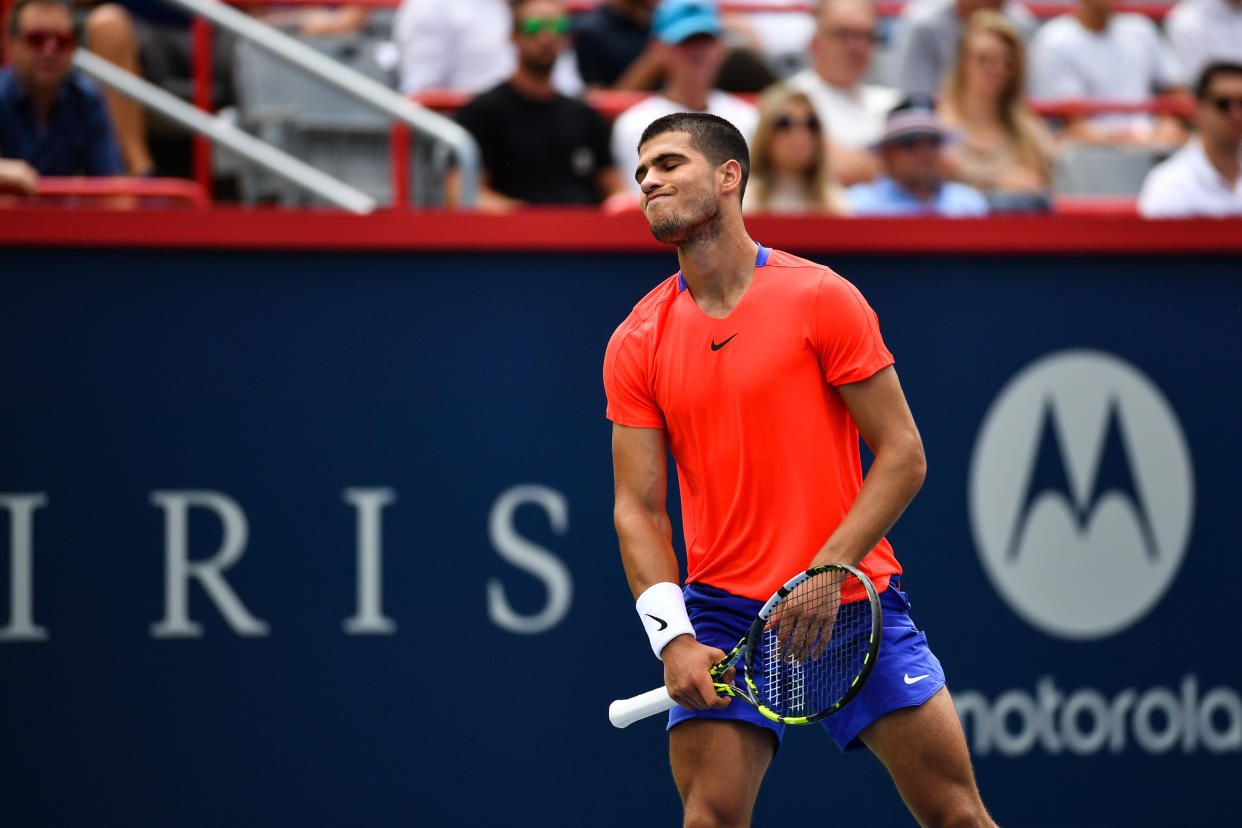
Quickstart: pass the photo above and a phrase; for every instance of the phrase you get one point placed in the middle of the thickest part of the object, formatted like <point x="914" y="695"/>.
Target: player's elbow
<point x="913" y="461"/>
<point x="631" y="517"/>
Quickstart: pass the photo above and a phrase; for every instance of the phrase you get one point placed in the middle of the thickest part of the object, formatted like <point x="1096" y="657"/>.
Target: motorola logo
<point x="1081" y="494"/>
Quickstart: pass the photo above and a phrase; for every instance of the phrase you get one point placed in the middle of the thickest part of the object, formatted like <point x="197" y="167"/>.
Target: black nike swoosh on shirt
<point x="716" y="347"/>
<point x="663" y="623"/>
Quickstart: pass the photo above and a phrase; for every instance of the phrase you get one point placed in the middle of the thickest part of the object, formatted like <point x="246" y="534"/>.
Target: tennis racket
<point x="805" y="656"/>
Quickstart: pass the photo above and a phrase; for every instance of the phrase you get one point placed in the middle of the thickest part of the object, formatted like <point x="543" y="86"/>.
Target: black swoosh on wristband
<point x="662" y="622"/>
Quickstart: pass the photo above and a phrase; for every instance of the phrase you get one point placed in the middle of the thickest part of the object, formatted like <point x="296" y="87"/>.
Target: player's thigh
<point x="925" y="752"/>
<point x="718" y="765"/>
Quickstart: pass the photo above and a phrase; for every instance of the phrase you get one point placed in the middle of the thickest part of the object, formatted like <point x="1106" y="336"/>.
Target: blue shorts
<point x="906" y="673"/>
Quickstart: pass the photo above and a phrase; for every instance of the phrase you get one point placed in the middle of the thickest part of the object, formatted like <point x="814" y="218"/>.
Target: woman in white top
<point x="789" y="171"/>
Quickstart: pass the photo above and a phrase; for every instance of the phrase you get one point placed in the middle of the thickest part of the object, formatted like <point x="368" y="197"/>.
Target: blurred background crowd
<point x="946" y="107"/>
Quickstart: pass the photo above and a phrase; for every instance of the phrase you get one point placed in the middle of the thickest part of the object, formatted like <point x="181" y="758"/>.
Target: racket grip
<point x="624" y="712"/>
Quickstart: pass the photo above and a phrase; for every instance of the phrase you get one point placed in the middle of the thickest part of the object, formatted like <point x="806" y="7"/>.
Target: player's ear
<point x="730" y="173"/>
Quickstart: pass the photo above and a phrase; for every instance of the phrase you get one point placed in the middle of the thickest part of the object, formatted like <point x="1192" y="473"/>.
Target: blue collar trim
<point x="761" y="259"/>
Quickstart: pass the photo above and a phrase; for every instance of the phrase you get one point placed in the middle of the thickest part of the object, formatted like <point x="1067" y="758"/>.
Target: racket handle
<point x="624" y="712"/>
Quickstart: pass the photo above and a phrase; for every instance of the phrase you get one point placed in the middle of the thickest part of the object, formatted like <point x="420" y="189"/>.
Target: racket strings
<point x="814" y="646"/>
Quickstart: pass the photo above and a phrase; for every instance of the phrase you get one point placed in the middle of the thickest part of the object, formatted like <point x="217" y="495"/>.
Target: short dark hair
<point x="716" y="138"/>
<point x="1211" y="72"/>
<point x="16" y="11"/>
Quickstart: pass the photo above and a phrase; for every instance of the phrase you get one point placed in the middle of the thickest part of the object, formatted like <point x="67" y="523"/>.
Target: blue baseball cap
<point x="676" y="20"/>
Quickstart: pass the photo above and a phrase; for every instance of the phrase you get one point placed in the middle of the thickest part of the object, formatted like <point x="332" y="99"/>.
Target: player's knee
<point x="704" y="814"/>
<point x="959" y="812"/>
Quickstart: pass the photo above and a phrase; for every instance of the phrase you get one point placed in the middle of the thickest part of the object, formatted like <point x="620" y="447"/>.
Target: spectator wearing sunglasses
<point x="789" y="159"/>
<point x="1204" y="177"/>
<point x="853" y="111"/>
<point x="914" y="181"/>
<point x="538" y="146"/>
<point x="53" y="121"/>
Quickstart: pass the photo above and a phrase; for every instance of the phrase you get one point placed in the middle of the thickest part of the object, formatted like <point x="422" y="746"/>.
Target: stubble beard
<point x="697" y="224"/>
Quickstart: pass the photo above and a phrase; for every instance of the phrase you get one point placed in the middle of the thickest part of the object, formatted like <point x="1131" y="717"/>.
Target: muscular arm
<point x="879" y="408"/>
<point x="640" y="470"/>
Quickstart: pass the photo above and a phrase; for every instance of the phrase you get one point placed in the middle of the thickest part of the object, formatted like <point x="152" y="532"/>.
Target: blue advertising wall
<point x="326" y="539"/>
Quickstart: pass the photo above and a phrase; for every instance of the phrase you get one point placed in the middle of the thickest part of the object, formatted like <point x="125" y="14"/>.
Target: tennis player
<point x="759" y="370"/>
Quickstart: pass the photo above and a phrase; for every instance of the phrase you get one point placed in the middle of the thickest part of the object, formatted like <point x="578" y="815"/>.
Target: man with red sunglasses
<point x="1203" y="178"/>
<point x="53" y="121"/>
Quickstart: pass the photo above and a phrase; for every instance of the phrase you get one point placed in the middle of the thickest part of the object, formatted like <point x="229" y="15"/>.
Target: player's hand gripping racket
<point x="806" y="655"/>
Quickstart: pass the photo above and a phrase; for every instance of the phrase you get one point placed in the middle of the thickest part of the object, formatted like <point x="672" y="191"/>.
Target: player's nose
<point x="650" y="182"/>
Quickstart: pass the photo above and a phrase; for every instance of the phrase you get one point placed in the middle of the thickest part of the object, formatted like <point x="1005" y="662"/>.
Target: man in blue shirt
<point x="53" y="121"/>
<point x="914" y="182"/>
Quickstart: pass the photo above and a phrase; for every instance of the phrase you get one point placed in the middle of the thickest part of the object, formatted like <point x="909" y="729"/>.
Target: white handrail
<point x="365" y="89"/>
<point x="244" y="144"/>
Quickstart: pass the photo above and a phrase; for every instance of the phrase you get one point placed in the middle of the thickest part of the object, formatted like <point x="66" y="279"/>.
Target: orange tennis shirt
<point x="767" y="455"/>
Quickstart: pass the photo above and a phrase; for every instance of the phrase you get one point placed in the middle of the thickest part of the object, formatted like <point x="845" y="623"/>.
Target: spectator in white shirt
<point x="929" y="34"/>
<point x="1203" y="178"/>
<point x="1205" y="31"/>
<point x="463" y="45"/>
<point x="853" y="112"/>
<point x="1096" y="53"/>
<point x="688" y="34"/>
<point x="781" y="35"/>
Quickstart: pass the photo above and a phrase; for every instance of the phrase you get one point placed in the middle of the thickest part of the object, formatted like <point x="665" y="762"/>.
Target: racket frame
<point x="624" y="712"/>
<point x="750" y="646"/>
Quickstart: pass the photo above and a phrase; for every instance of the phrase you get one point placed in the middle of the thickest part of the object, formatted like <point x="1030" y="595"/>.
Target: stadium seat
<point x="324" y="126"/>
<point x="1103" y="169"/>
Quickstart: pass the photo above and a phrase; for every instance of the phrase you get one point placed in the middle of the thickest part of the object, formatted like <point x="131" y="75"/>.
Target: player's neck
<point x="719" y="270"/>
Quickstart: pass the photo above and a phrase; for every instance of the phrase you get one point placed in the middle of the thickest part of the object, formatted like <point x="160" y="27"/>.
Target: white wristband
<point x="662" y="609"/>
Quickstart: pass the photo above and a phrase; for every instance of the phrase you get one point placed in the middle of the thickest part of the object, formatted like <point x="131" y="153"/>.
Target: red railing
<point x="119" y="191"/>
<point x="581" y="230"/>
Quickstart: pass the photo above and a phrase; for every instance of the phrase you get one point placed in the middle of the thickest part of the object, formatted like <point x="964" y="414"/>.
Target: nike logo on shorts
<point x="915" y="679"/>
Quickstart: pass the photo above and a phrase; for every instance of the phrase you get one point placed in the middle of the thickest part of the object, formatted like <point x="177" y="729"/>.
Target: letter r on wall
<point x="179" y="569"/>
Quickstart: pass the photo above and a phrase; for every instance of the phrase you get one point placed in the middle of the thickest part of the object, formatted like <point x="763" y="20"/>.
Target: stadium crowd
<point x="848" y="113"/>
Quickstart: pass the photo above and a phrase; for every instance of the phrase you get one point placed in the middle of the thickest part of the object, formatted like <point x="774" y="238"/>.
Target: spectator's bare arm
<point x="489" y="200"/>
<point x="643" y="74"/>
<point x="16" y="174"/>
<point x="851" y="165"/>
